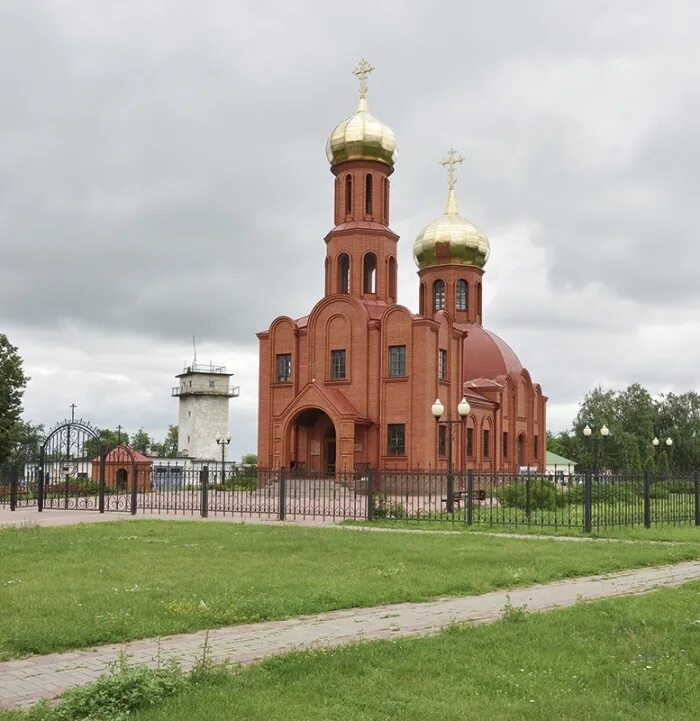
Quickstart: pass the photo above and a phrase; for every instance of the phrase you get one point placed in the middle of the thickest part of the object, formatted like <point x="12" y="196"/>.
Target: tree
<point x="141" y="441"/>
<point x="634" y="460"/>
<point x="649" y="463"/>
<point x="599" y="407"/>
<point x="678" y="417"/>
<point x="249" y="459"/>
<point x="168" y="448"/>
<point x="662" y="467"/>
<point x="27" y="450"/>
<point x="12" y="384"/>
<point x="106" y="438"/>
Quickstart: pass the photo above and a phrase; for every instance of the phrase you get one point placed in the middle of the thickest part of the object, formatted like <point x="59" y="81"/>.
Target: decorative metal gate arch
<point x="72" y="471"/>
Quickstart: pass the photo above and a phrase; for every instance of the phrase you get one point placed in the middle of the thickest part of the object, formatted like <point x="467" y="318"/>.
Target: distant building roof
<point x="553" y="459"/>
<point x="123" y="454"/>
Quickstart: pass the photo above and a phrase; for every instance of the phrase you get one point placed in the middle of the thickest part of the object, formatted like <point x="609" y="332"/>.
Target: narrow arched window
<point x="392" y="278"/>
<point x="348" y="194"/>
<point x="369" y="274"/>
<point x="478" y="299"/>
<point x="421" y="300"/>
<point x="343" y="273"/>
<point x="439" y="295"/>
<point x="368" y="194"/>
<point x="462" y="295"/>
<point x="386" y="201"/>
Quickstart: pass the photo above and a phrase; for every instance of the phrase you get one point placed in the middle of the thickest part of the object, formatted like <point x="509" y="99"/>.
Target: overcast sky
<point x="163" y="174"/>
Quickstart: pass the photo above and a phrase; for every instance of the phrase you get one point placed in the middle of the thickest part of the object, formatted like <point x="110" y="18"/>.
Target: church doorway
<point x="521" y="450"/>
<point x="311" y="442"/>
<point x="329" y="450"/>
<point x="121" y="479"/>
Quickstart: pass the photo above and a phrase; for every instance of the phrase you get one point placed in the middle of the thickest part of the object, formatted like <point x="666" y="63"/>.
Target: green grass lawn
<point x="686" y="533"/>
<point x="613" y="660"/>
<point x="69" y="587"/>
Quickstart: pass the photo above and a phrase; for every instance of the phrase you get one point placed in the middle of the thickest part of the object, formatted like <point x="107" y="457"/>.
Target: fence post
<point x="101" y="488"/>
<point x="13" y="490"/>
<point x="528" y="500"/>
<point x="204" y="483"/>
<point x="647" y="500"/>
<point x="134" y="488"/>
<point x="697" y="498"/>
<point x="587" y="503"/>
<point x="282" y="494"/>
<point x="470" y="497"/>
<point x="40" y="500"/>
<point x="370" y="495"/>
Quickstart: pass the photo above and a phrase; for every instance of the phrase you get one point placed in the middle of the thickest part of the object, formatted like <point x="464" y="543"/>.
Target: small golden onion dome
<point x="451" y="239"/>
<point x="362" y="137"/>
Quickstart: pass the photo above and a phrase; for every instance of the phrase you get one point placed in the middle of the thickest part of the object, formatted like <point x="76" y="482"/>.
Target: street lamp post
<point x="438" y="409"/>
<point x="656" y="443"/>
<point x="223" y="441"/>
<point x="588" y="487"/>
<point x="604" y="433"/>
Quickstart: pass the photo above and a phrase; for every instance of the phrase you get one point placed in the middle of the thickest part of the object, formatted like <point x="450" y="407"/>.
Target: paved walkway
<point x="28" y="680"/>
<point x="29" y="517"/>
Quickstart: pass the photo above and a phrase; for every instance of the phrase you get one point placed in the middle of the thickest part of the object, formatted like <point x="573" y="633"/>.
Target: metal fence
<point x="582" y="501"/>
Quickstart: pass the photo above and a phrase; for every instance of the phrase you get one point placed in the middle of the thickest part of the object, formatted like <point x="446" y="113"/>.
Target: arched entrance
<point x="311" y="442"/>
<point x="521" y="451"/>
<point x="329" y="450"/>
<point x="122" y="479"/>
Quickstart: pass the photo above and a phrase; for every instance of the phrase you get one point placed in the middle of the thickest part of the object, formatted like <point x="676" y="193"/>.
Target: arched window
<point x="386" y="201"/>
<point x="478" y="299"/>
<point x="439" y="295"/>
<point x="368" y="194"/>
<point x="462" y="295"/>
<point x="392" y="278"/>
<point x="369" y="274"/>
<point x="348" y="194"/>
<point x="421" y="300"/>
<point x="343" y="273"/>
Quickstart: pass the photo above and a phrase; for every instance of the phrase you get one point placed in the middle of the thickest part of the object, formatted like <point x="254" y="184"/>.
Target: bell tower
<point x="451" y="254"/>
<point x="361" y="248"/>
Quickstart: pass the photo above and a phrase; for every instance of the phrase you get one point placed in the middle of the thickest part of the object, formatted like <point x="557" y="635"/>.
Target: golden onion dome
<point x="451" y="239"/>
<point x="362" y="136"/>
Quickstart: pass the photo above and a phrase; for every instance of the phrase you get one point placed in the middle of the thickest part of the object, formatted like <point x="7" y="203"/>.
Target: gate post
<point x="281" y="498"/>
<point x="40" y="489"/>
<point x="204" y="483"/>
<point x="13" y="489"/>
<point x="101" y="491"/>
<point x="370" y="495"/>
<point x="696" y="479"/>
<point x="647" y="500"/>
<point x="134" y="487"/>
<point x="587" y="503"/>
<point x="470" y="497"/>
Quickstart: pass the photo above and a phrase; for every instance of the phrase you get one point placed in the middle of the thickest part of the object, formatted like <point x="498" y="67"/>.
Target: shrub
<point x="544" y="495"/>
<point x="115" y="695"/>
<point x="383" y="508"/>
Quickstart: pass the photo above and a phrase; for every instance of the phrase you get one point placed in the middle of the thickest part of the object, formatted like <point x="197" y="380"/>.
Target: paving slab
<point x="51" y="674"/>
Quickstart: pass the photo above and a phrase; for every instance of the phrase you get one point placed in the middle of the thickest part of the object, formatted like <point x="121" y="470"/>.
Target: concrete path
<point x="29" y="517"/>
<point x="28" y="680"/>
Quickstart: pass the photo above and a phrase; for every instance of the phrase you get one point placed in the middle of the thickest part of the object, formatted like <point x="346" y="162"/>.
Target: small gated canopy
<point x="122" y="465"/>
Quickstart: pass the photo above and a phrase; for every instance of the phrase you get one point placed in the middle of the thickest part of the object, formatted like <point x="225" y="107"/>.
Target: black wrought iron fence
<point x="179" y="487"/>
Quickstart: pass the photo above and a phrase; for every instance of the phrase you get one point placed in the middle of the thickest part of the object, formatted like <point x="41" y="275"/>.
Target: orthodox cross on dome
<point x="362" y="70"/>
<point x="450" y="162"/>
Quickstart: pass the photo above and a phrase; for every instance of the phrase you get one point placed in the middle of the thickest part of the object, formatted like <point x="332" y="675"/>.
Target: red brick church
<point x="352" y="383"/>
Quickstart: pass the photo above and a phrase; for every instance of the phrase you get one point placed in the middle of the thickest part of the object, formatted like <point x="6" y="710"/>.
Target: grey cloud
<point x="162" y="166"/>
